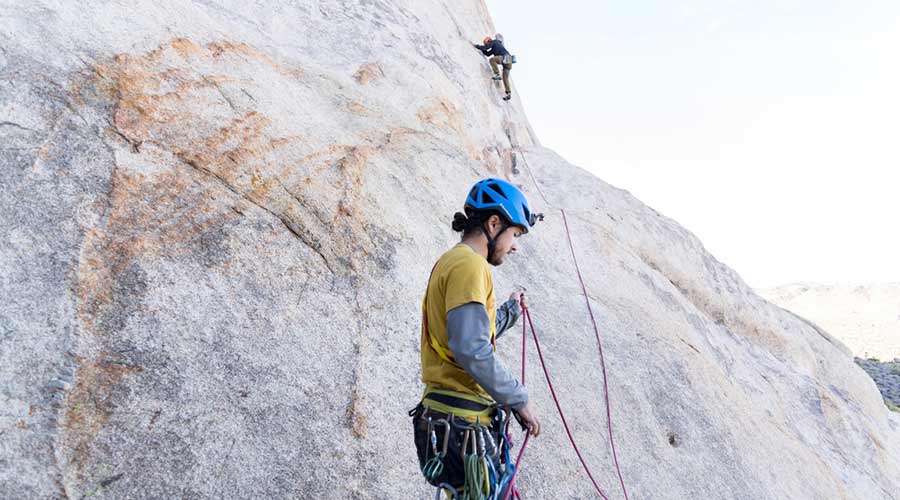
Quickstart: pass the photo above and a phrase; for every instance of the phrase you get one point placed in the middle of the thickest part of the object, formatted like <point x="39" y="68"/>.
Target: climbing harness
<point x="474" y="455"/>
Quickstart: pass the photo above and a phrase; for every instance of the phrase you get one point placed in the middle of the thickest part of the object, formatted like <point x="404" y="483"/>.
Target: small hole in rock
<point x="674" y="440"/>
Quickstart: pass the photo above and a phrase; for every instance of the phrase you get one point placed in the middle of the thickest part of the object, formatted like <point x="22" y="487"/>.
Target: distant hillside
<point x="865" y="317"/>
<point x="887" y="377"/>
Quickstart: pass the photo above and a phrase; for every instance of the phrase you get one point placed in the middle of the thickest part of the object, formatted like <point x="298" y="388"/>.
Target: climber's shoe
<point x="507" y="97"/>
<point x="496" y="77"/>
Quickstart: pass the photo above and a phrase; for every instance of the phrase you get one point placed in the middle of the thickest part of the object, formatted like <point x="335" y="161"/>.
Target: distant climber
<point x="469" y="395"/>
<point x="498" y="56"/>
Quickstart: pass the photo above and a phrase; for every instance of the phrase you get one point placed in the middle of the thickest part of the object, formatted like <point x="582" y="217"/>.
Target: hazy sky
<point x="769" y="128"/>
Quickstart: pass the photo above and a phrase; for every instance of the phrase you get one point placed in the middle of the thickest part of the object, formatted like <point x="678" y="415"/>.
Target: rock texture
<point x="218" y="219"/>
<point x="865" y="317"/>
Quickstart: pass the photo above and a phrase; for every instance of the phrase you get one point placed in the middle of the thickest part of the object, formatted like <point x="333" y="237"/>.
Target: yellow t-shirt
<point x="459" y="277"/>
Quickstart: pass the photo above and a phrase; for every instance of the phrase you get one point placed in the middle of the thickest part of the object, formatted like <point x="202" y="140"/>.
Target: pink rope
<point x="587" y="300"/>
<point x="512" y="481"/>
<point x="537" y="343"/>
<point x="562" y="416"/>
<point x="524" y="338"/>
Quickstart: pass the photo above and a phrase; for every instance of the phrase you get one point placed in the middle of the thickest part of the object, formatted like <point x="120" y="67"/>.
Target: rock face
<point x="864" y="317"/>
<point x="218" y="220"/>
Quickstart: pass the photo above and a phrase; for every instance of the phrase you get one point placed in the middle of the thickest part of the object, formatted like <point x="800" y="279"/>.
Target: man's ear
<point x="493" y="221"/>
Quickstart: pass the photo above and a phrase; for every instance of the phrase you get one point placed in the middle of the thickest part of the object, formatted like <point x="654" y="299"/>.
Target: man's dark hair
<point x="472" y="223"/>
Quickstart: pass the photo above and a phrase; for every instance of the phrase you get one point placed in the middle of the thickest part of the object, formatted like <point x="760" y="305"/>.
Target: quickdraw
<point x="434" y="466"/>
<point x="476" y="486"/>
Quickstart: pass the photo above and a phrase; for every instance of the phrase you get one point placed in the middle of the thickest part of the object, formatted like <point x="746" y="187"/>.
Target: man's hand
<point x="520" y="298"/>
<point x="529" y="416"/>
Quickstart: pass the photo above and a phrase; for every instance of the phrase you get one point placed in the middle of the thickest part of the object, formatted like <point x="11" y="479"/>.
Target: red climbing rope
<point x="527" y="318"/>
<point x="587" y="300"/>
<point x="537" y="344"/>
<point x="512" y="481"/>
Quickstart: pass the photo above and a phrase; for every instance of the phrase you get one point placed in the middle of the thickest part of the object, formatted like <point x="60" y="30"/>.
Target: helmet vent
<point x="528" y="215"/>
<point x="487" y="198"/>
<point x="496" y="187"/>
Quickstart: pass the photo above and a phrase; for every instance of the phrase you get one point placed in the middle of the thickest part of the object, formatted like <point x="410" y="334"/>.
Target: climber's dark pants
<point x="496" y="62"/>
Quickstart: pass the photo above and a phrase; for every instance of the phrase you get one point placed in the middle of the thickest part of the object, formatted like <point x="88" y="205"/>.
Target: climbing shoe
<point x="507" y="97"/>
<point x="496" y="77"/>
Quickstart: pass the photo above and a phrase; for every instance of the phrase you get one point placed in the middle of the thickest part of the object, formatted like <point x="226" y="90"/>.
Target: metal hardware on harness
<point x="478" y="449"/>
<point x="492" y="445"/>
<point x="480" y="435"/>
<point x="477" y="483"/>
<point x="434" y="466"/>
<point x="446" y="424"/>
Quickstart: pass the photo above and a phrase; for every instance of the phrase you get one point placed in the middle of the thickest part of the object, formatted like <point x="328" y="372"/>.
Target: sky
<point x="768" y="128"/>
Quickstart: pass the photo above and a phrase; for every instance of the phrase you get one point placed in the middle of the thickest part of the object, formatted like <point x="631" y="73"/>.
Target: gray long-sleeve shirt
<point x="469" y="338"/>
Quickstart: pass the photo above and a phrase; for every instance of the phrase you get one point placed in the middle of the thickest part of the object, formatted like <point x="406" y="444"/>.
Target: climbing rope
<point x="512" y="479"/>
<point x="512" y="489"/>
<point x="527" y="316"/>
<point x="527" y="320"/>
<point x="587" y="300"/>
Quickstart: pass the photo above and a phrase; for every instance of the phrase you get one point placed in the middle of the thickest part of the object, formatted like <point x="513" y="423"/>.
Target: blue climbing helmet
<point x="490" y="195"/>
